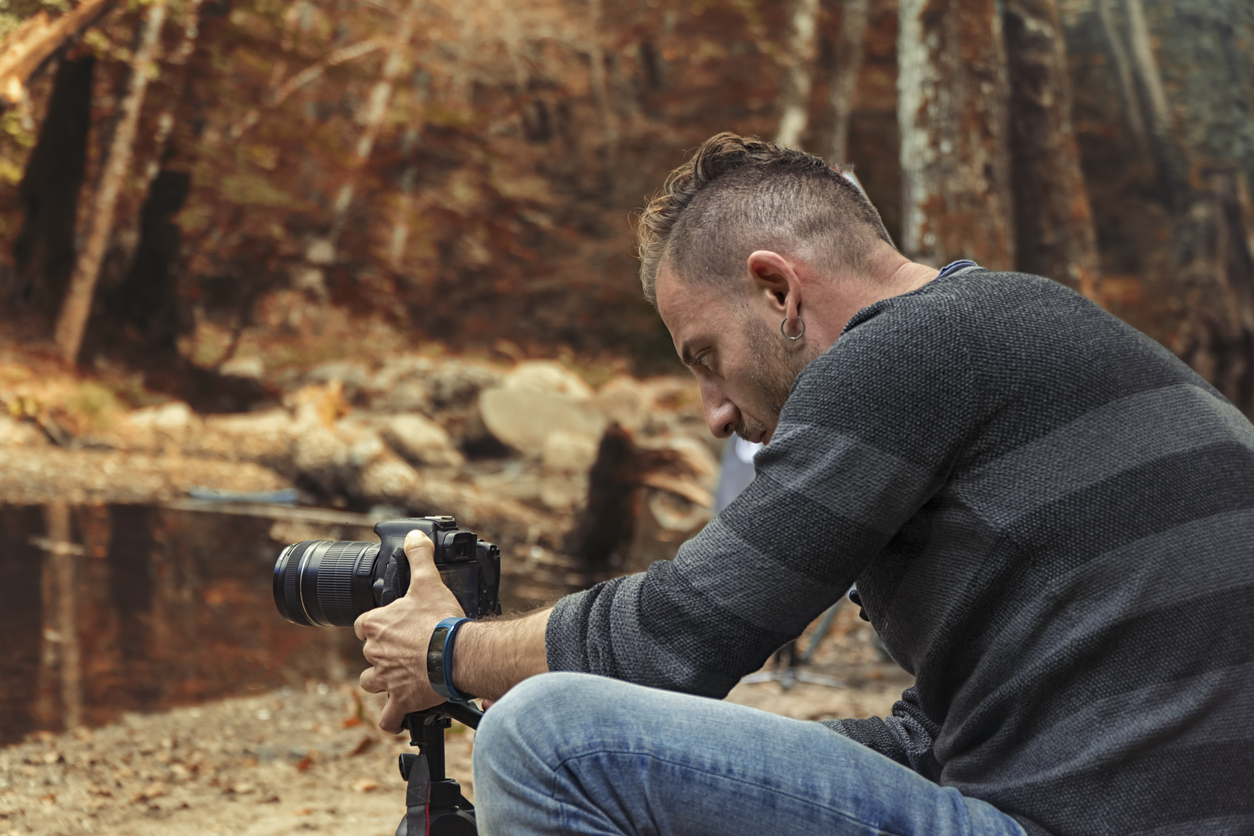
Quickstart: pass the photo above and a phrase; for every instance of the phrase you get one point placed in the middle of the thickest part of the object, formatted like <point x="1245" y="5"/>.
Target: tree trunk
<point x="799" y="68"/>
<point x="1055" y="236"/>
<point x="372" y="120"/>
<point x="1129" y="98"/>
<point x="114" y="168"/>
<point x="601" y="99"/>
<point x="1172" y="169"/>
<point x="845" y="69"/>
<point x="44" y="252"/>
<point x="952" y="113"/>
<point x="144" y="304"/>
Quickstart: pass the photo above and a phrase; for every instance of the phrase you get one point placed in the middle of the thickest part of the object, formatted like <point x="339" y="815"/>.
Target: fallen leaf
<point x="49" y="799"/>
<point x="304" y="763"/>
<point x="365" y="785"/>
<point x="154" y="790"/>
<point x="51" y="757"/>
<point x="269" y="799"/>
<point x="367" y="743"/>
<point x="242" y="789"/>
<point x="96" y="789"/>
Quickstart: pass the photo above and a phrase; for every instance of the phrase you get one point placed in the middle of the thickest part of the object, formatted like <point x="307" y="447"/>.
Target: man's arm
<point x="492" y="656"/>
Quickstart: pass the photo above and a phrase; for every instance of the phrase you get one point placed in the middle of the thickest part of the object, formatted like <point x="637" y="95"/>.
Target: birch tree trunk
<point x="844" y="82"/>
<point x="952" y="116"/>
<point x="322" y="251"/>
<point x="1055" y="235"/>
<point x="799" y="69"/>
<point x="114" y="167"/>
<point x="1172" y="170"/>
<point x="601" y="98"/>
<point x="1129" y="98"/>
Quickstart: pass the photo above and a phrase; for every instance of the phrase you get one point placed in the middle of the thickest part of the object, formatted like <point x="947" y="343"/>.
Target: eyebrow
<point x="685" y="353"/>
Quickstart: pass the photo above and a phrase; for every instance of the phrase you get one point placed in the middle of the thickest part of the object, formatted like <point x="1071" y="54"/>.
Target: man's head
<point x="737" y="195"/>
<point x="742" y="236"/>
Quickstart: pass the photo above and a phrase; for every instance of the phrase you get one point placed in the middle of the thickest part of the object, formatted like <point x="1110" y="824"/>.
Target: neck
<point x="895" y="274"/>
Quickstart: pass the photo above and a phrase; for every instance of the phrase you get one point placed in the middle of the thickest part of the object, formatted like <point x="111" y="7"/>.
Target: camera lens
<point x="325" y="582"/>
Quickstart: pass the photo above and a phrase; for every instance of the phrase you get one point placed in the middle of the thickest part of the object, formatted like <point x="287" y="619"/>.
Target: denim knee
<point x="529" y="720"/>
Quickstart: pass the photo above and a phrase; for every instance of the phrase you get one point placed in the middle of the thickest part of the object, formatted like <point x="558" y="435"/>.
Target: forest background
<point x="351" y="221"/>
<point x="189" y="187"/>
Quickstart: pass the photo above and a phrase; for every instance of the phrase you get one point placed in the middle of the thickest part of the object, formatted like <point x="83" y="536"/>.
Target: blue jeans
<point x="567" y="753"/>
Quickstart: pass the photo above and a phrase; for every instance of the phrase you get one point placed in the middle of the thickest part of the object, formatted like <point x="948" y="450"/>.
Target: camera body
<point x="332" y="582"/>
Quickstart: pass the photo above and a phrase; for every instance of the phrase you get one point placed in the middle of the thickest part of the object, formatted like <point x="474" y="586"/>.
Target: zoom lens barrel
<point x="326" y="582"/>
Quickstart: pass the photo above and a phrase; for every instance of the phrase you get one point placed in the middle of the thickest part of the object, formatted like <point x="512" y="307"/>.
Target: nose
<point x="721" y="415"/>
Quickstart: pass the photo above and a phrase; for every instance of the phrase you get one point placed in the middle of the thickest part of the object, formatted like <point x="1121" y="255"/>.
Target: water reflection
<point x="105" y="609"/>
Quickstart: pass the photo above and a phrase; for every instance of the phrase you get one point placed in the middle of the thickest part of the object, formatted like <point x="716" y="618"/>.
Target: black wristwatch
<point x="440" y="659"/>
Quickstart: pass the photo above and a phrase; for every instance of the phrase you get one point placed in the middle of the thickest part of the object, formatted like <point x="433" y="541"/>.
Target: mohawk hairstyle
<point x="740" y="194"/>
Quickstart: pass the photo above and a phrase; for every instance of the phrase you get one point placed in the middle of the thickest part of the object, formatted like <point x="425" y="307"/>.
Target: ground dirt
<point x="312" y="759"/>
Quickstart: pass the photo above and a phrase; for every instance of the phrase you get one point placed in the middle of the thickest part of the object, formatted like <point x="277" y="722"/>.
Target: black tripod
<point x="434" y="803"/>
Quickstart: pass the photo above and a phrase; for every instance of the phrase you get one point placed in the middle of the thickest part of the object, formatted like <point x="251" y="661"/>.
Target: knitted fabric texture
<point x="1050" y="520"/>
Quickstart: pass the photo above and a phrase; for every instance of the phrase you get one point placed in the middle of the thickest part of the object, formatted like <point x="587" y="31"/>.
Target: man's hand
<point x="397" y="635"/>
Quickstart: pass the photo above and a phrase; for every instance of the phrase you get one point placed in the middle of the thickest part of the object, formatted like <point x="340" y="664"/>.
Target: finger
<point x="359" y="626"/>
<point x="421" y="553"/>
<point x="486" y="704"/>
<point x="371" y="682"/>
<point x="391" y="716"/>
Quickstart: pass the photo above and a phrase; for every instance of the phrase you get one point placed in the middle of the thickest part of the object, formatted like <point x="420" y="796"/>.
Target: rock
<point x="421" y="441"/>
<point x="266" y="437"/>
<point x="387" y="479"/>
<point x="547" y="376"/>
<point x="568" y="453"/>
<point x="624" y="401"/>
<point x="249" y="367"/>
<point x="404" y="396"/>
<point x="322" y="457"/>
<point x="523" y="418"/>
<point x="565" y="492"/>
<point x="172" y="418"/>
<point x="365" y="451"/>
<point x="354" y="378"/>
<point x="455" y="384"/>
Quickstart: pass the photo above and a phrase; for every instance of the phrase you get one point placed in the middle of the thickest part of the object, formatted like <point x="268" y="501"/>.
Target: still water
<point x="113" y="608"/>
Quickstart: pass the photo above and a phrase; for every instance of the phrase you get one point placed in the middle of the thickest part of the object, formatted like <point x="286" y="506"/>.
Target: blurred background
<point x="270" y="271"/>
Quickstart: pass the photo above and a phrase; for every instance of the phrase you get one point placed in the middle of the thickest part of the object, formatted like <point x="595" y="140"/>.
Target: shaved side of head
<point x="737" y="195"/>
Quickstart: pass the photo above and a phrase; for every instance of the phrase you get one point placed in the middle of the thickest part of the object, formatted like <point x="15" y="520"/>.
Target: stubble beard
<point x="776" y="366"/>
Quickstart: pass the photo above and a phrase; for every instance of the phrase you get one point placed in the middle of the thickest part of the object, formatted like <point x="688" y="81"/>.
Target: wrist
<point x="440" y="652"/>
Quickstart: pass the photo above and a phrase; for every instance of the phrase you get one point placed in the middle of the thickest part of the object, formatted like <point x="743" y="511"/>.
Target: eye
<point x="704" y="359"/>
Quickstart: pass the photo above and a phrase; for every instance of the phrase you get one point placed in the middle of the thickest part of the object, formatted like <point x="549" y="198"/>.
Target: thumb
<point x="421" y="554"/>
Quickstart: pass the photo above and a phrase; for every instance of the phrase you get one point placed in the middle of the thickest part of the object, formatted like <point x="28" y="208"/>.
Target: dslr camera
<point x="328" y="583"/>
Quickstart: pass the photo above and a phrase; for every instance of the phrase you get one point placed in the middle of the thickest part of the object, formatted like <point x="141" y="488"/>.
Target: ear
<point x="775" y="278"/>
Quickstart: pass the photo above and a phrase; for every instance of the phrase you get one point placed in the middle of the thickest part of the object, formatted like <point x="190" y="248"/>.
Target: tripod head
<point x="434" y="803"/>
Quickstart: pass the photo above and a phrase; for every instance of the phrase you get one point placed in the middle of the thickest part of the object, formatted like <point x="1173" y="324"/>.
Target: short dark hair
<point x="740" y="194"/>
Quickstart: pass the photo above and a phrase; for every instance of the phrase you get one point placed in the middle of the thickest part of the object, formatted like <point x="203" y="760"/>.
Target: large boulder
<point x="523" y="418"/>
<point x="547" y="376"/>
<point x="624" y="401"/>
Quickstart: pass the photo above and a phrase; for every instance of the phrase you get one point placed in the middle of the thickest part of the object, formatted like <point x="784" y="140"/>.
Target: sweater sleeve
<point x="867" y="436"/>
<point x="906" y="736"/>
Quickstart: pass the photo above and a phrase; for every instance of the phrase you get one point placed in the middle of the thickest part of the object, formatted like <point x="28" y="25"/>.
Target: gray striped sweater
<point x="1050" y="520"/>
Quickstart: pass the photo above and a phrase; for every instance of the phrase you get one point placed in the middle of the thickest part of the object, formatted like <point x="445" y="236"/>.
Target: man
<point x="1050" y="520"/>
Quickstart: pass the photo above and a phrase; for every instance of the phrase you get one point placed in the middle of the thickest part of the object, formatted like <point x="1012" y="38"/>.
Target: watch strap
<point x="440" y="659"/>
